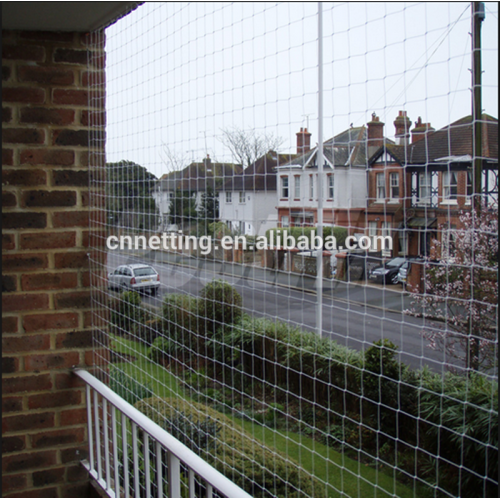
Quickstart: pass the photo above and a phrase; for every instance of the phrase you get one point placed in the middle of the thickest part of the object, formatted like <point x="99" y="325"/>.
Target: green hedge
<point x="340" y="233"/>
<point x="252" y="465"/>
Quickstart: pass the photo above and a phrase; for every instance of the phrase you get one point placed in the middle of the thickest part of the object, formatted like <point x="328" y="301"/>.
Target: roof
<point x="260" y="175"/>
<point x="198" y="175"/>
<point x="63" y="16"/>
<point x="347" y="149"/>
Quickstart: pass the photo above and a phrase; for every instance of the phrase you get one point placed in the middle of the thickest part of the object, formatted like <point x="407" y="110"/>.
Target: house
<point x="193" y="181"/>
<point x="419" y="186"/>
<point x="344" y="190"/>
<point x="247" y="201"/>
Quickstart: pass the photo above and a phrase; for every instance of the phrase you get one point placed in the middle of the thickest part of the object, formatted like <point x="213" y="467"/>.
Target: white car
<point x="135" y="277"/>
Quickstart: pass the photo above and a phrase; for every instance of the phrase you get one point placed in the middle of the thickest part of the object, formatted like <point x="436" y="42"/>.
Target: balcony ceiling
<point x="62" y="16"/>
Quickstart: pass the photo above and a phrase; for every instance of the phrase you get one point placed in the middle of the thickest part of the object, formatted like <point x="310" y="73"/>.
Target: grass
<point x="341" y="475"/>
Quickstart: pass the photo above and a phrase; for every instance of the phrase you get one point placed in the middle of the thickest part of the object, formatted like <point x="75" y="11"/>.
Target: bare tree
<point x="173" y="160"/>
<point x="247" y="146"/>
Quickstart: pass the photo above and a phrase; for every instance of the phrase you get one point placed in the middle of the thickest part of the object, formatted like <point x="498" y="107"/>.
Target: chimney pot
<point x="402" y="124"/>
<point x="303" y="141"/>
<point x="420" y="131"/>
<point x="375" y="132"/>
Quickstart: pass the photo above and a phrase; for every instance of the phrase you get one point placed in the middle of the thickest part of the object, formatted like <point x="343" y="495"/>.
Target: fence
<point x="313" y="361"/>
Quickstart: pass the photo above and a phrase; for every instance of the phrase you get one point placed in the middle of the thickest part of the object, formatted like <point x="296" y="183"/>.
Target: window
<point x="450" y="185"/>
<point x="330" y="186"/>
<point x="284" y="187"/>
<point x="297" y="187"/>
<point x="394" y="179"/>
<point x="372" y="232"/>
<point x="229" y="197"/>
<point x="242" y="196"/>
<point x="424" y="188"/>
<point x="381" y="186"/>
<point x="285" y="221"/>
<point x="386" y="231"/>
<point x="448" y="242"/>
<point x="311" y="187"/>
<point x="469" y="187"/>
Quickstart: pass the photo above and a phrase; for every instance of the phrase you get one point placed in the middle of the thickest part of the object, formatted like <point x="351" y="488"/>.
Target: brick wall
<point x="46" y="322"/>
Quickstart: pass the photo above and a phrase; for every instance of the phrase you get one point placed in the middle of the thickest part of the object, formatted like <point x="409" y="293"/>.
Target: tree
<point x="209" y="206"/>
<point x="463" y="292"/>
<point x="129" y="200"/>
<point x="248" y="146"/>
<point x="182" y="209"/>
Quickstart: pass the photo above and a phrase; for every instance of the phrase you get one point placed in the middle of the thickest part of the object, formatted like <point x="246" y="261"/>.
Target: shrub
<point x="220" y="304"/>
<point x="127" y="315"/>
<point x="126" y="387"/>
<point x="242" y="458"/>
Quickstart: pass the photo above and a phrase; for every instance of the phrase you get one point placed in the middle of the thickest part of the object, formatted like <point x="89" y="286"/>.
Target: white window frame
<point x="424" y="188"/>
<point x="229" y="196"/>
<point x="285" y="221"/>
<point x="285" y="187"/>
<point x="372" y="232"/>
<point x="450" y="186"/>
<point x="394" y="185"/>
<point x="296" y="187"/>
<point x="242" y="196"/>
<point x="381" y="194"/>
<point x="330" y="187"/>
<point x="385" y="230"/>
<point x="311" y="187"/>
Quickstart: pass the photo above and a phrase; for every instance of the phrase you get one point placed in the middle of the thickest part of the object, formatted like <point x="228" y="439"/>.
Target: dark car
<point x="388" y="272"/>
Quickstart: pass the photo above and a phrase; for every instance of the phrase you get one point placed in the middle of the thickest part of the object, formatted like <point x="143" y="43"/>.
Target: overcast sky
<point x="178" y="74"/>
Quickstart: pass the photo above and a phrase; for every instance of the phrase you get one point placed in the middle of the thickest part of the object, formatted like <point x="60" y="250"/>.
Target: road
<point x="347" y="321"/>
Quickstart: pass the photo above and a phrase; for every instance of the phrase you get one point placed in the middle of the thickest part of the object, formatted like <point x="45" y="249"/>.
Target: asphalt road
<point x="349" y="322"/>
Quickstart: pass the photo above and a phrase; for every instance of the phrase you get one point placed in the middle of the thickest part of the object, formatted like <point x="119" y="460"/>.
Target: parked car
<point x="387" y="272"/>
<point x="404" y="270"/>
<point x="135" y="277"/>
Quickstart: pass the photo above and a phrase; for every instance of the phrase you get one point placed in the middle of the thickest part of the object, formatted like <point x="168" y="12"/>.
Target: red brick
<point x="23" y="52"/>
<point x="13" y="443"/>
<point x="57" y="321"/>
<point x="73" y="300"/>
<point x="41" y="362"/>
<point x="47" y="116"/>
<point x="25" y="302"/>
<point x="7" y="157"/>
<point x="98" y="60"/>
<point x="71" y="137"/>
<point x="68" y="380"/>
<point x="96" y="357"/>
<point x="74" y="454"/>
<point x="43" y="198"/>
<point x="23" y="136"/>
<point x="50" y="476"/>
<point x="9" y="284"/>
<point x="10" y="365"/>
<point x="73" y="97"/>
<point x="58" y="157"/>
<point x="78" y="178"/>
<point x="38" y="241"/>
<point x="24" y="220"/>
<point x="9" y="324"/>
<point x="50" y="439"/>
<point x="6" y="114"/>
<point x="76" y="340"/>
<point x="77" y="473"/>
<point x="47" y="36"/>
<point x="11" y="404"/>
<point x="73" y="417"/>
<point x="8" y="199"/>
<point x="24" y="262"/>
<point x="23" y="177"/>
<point x="71" y="260"/>
<point x="27" y="461"/>
<point x="55" y="399"/>
<point x="8" y="242"/>
<point x="45" y="75"/>
<point x="91" y="78"/>
<point x="49" y="281"/>
<point x="23" y="94"/>
<point x="38" y="493"/>
<point x="94" y="40"/>
<point x="71" y="56"/>
<point x="29" y="421"/>
<point x="70" y="219"/>
<point x="6" y="72"/>
<point x="13" y="482"/>
<point x="25" y="343"/>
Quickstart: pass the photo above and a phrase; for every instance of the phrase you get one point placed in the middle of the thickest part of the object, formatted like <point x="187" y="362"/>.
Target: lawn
<point x="341" y="475"/>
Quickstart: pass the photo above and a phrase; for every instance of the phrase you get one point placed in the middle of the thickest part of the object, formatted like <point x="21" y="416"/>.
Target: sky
<point x="180" y="74"/>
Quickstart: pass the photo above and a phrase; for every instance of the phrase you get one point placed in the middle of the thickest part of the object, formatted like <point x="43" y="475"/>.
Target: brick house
<point x="419" y="186"/>
<point x="52" y="139"/>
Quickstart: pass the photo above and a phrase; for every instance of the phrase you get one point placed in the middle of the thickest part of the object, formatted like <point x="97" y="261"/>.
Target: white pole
<point x="319" y="157"/>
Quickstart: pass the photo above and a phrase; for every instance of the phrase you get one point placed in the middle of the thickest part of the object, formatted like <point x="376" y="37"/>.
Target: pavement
<point x="390" y="298"/>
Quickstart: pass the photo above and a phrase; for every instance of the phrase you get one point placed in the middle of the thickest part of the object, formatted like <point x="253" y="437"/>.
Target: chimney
<point x="402" y="124"/>
<point x="375" y="134"/>
<point x="303" y="141"/>
<point x="420" y="130"/>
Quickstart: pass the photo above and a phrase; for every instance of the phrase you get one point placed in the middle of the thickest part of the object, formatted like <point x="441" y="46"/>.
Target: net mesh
<point x="376" y="378"/>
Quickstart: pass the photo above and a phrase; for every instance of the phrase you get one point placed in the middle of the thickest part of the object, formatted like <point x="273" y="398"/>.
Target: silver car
<point x="135" y="277"/>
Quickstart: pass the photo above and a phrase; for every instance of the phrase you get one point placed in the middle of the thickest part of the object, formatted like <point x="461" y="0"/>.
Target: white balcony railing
<point x="121" y="474"/>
